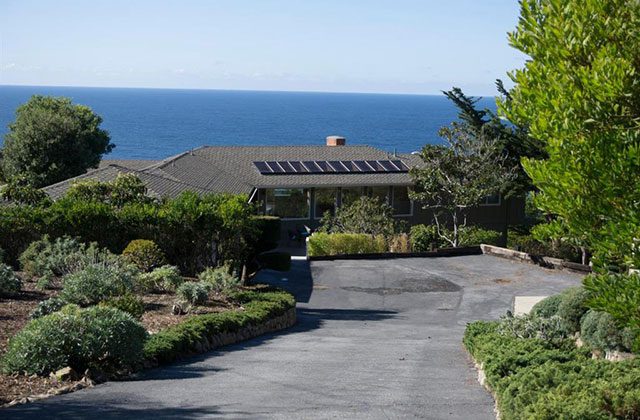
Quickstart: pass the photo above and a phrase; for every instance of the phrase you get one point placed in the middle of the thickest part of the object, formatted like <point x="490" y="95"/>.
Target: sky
<point x="376" y="46"/>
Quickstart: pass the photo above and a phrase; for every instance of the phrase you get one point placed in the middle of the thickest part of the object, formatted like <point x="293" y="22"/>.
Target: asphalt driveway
<point x="375" y="339"/>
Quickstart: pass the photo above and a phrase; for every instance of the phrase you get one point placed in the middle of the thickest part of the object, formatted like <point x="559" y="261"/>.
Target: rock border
<point x="547" y="262"/>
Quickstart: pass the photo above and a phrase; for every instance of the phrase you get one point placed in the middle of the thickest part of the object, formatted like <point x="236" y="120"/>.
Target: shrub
<point x="162" y="279"/>
<point x="599" y="331"/>
<point x="48" y="258"/>
<point x="186" y="337"/>
<point x="279" y="261"/>
<point x="365" y="215"/>
<point x="9" y="282"/>
<point x="47" y="307"/>
<point x="617" y="294"/>
<point x="572" y="308"/>
<point x="345" y="243"/>
<point x="219" y="279"/>
<point x="144" y="254"/>
<point x="531" y="326"/>
<point x="400" y="243"/>
<point x="195" y="293"/>
<point x="97" y="337"/>
<point x="2" y="255"/>
<point x="128" y="303"/>
<point x="525" y="242"/>
<point x="473" y="235"/>
<point x="96" y="283"/>
<point x="425" y="238"/>
<point x="547" y="307"/>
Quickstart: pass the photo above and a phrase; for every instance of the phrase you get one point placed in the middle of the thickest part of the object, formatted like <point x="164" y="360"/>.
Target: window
<point x="402" y="205"/>
<point x="326" y="199"/>
<point x="349" y="195"/>
<point x="381" y="193"/>
<point x="491" y="200"/>
<point x="287" y="203"/>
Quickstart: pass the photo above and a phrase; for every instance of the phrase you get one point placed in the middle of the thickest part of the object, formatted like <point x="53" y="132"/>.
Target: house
<point x="297" y="183"/>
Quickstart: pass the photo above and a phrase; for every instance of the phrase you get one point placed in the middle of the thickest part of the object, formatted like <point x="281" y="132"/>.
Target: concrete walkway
<point x="375" y="339"/>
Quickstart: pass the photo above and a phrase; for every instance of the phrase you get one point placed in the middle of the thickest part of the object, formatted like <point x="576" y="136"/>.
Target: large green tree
<point x="579" y="93"/>
<point x="52" y="140"/>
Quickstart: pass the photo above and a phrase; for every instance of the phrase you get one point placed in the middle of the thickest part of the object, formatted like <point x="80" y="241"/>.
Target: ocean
<point x="157" y="123"/>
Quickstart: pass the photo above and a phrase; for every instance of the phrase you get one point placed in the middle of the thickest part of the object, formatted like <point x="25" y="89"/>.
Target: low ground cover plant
<point x="96" y="283"/>
<point x="258" y="305"/>
<point x="9" y="282"/>
<point x="128" y="303"/>
<point x="194" y="293"/>
<point x="98" y="337"/>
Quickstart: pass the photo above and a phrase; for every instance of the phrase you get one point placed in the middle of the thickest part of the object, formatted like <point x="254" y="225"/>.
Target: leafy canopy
<point x="52" y="140"/>
<point x="580" y="95"/>
<point x="365" y="215"/>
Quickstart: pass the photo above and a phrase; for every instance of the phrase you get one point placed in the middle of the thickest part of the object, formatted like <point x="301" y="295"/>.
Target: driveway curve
<point x="374" y="339"/>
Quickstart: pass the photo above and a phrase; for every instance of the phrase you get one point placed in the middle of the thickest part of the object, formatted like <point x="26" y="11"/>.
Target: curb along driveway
<point x="374" y="339"/>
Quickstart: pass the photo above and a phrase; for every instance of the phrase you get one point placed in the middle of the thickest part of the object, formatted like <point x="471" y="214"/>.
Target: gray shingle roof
<point x="231" y="169"/>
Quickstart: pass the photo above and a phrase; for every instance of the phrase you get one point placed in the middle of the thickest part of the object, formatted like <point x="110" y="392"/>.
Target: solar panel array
<point x="282" y="167"/>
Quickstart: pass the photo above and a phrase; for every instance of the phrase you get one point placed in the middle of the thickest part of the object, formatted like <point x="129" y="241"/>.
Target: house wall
<point x="492" y="216"/>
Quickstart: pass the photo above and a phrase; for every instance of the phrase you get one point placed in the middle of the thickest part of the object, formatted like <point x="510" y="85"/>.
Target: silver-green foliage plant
<point x="599" y="331"/>
<point x="194" y="293"/>
<point x="220" y="279"/>
<point x="47" y="307"/>
<point x="532" y="326"/>
<point x="96" y="283"/>
<point x="97" y="337"/>
<point x="162" y="279"/>
<point x="9" y="282"/>
<point x="48" y="259"/>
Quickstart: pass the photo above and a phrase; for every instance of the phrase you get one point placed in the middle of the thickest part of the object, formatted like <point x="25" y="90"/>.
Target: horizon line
<point x="240" y="90"/>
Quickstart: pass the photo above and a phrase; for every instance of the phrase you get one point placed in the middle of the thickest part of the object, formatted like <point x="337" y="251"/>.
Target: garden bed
<point x="248" y="314"/>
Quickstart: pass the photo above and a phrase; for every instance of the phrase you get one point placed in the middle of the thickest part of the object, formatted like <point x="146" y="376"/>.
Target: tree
<point x="365" y="215"/>
<point x="52" y="140"/>
<point x="455" y="178"/>
<point x="125" y="189"/>
<point x="579" y="93"/>
<point x="20" y="191"/>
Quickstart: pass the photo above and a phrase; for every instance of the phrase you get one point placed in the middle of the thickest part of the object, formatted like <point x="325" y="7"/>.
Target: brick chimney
<point x="333" y="141"/>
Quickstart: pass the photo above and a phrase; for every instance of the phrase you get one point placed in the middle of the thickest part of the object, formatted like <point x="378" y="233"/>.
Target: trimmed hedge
<point x="534" y="378"/>
<point x="322" y="244"/>
<point x="259" y="305"/>
<point x="144" y="254"/>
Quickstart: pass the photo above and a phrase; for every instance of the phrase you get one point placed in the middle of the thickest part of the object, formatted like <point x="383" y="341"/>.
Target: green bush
<point x="219" y="280"/>
<point x="534" y="378"/>
<point x="473" y="235"/>
<point x="162" y="279"/>
<point x="144" y="254"/>
<point x="184" y="338"/>
<point x="279" y="261"/>
<point x="9" y="282"/>
<point x="425" y="238"/>
<point x="572" y="308"/>
<point x="366" y="215"/>
<point x="599" y="331"/>
<point x="47" y="307"/>
<point x="522" y="240"/>
<point x="321" y="244"/>
<point x="2" y="256"/>
<point x="547" y="307"/>
<point x="617" y="294"/>
<point x="195" y="293"/>
<point x="97" y="337"/>
<point x="128" y="303"/>
<point x="96" y="283"/>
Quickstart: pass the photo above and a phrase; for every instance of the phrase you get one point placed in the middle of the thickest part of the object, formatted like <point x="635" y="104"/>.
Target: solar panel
<point x="263" y="167"/>
<point x="312" y="166"/>
<point x="331" y="167"/>
<point x="298" y="166"/>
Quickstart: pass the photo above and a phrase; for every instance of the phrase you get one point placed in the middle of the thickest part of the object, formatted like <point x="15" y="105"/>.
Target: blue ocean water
<point x="156" y="123"/>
